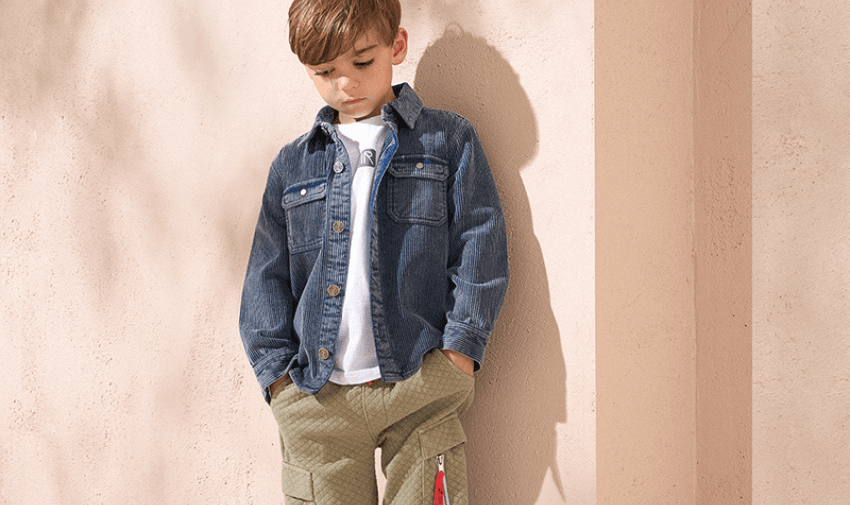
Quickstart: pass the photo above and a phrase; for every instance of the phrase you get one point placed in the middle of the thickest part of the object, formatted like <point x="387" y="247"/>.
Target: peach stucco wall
<point x="801" y="252"/>
<point x="673" y="252"/>
<point x="645" y="334"/>
<point x="721" y="200"/>
<point x="135" y="138"/>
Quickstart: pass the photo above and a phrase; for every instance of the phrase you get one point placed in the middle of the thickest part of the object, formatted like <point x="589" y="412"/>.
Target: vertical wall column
<point x="645" y="326"/>
<point x="723" y="249"/>
<point x="674" y="254"/>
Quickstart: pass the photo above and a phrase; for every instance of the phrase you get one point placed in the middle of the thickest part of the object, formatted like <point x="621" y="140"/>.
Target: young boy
<point x="378" y="269"/>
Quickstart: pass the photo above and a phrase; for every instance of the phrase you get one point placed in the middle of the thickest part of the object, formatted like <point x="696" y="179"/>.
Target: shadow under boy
<point x="378" y="269"/>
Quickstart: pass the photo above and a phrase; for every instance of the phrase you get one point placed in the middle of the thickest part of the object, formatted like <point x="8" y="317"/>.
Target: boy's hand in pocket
<point x="466" y="364"/>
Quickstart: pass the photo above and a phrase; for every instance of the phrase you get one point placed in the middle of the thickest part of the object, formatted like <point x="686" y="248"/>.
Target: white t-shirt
<point x="356" y="361"/>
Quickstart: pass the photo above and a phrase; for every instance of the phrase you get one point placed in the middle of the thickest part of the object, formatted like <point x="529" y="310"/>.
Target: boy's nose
<point x="345" y="83"/>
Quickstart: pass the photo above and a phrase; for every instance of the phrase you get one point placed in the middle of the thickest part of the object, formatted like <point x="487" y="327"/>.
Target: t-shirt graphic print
<point x="368" y="158"/>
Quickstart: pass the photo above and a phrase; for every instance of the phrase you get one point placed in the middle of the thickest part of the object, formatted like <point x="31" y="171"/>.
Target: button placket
<point x="337" y="217"/>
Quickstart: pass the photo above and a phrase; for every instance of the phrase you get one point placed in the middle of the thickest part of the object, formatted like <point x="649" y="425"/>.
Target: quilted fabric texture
<point x="329" y="439"/>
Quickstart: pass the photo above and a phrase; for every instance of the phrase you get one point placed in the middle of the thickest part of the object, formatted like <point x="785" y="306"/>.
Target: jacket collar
<point x="407" y="106"/>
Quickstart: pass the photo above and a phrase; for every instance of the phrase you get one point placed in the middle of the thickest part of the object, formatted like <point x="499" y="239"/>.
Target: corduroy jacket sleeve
<point x="268" y="306"/>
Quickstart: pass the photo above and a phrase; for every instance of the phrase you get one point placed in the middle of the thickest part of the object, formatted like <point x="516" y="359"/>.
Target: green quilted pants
<point x="329" y="439"/>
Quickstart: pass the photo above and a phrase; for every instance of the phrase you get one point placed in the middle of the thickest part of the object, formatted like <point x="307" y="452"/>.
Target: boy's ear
<point x="400" y="46"/>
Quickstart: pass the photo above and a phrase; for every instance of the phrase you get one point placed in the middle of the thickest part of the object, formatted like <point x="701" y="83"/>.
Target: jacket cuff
<point x="271" y="369"/>
<point x="467" y="340"/>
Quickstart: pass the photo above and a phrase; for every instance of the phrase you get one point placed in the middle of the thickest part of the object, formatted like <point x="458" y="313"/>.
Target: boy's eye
<point x="322" y="72"/>
<point x="365" y="63"/>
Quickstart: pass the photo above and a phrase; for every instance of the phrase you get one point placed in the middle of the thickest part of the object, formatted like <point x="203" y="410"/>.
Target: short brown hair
<point x="321" y="30"/>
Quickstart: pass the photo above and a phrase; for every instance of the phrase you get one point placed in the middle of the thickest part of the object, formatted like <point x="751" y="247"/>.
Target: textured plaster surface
<point x="801" y="251"/>
<point x="723" y="250"/>
<point x="135" y="140"/>
<point x="644" y="251"/>
<point x="673" y="252"/>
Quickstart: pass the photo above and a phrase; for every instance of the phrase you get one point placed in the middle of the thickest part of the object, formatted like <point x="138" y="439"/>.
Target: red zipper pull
<point x="441" y="495"/>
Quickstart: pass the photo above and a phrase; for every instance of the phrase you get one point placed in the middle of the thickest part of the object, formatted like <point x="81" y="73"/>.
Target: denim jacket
<point x="438" y="254"/>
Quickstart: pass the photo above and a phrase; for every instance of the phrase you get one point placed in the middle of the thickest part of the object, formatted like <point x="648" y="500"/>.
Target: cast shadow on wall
<point x="521" y="389"/>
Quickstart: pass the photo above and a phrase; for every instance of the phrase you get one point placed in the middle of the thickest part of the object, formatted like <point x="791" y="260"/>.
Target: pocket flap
<point x="423" y="166"/>
<point x="441" y="437"/>
<point x="304" y="192"/>
<point x="297" y="482"/>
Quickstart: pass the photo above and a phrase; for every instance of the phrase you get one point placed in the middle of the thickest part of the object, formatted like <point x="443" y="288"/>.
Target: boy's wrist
<point x="277" y="384"/>
<point x="465" y="363"/>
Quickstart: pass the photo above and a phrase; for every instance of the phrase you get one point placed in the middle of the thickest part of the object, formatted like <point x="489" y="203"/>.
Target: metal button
<point x="303" y="192"/>
<point x="333" y="290"/>
<point x="420" y="165"/>
<point x="339" y="226"/>
<point x="339" y="167"/>
<point x="324" y="353"/>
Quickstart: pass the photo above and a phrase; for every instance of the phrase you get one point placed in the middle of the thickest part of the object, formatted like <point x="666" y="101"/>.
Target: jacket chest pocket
<point x="417" y="190"/>
<point x="304" y="205"/>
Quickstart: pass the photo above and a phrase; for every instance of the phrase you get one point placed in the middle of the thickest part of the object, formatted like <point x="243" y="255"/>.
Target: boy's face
<point x="358" y="83"/>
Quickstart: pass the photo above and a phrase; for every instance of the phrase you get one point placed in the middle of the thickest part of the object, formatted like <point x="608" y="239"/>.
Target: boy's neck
<point x="343" y="119"/>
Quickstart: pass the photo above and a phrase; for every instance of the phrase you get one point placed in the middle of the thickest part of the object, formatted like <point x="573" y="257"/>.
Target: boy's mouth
<point x="353" y="101"/>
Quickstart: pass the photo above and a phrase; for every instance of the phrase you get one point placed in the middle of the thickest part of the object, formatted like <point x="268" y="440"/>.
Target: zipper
<point x="441" y="494"/>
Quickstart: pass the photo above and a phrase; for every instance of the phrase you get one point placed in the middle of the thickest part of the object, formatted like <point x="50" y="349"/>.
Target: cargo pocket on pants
<point x="442" y="450"/>
<point x="297" y="484"/>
